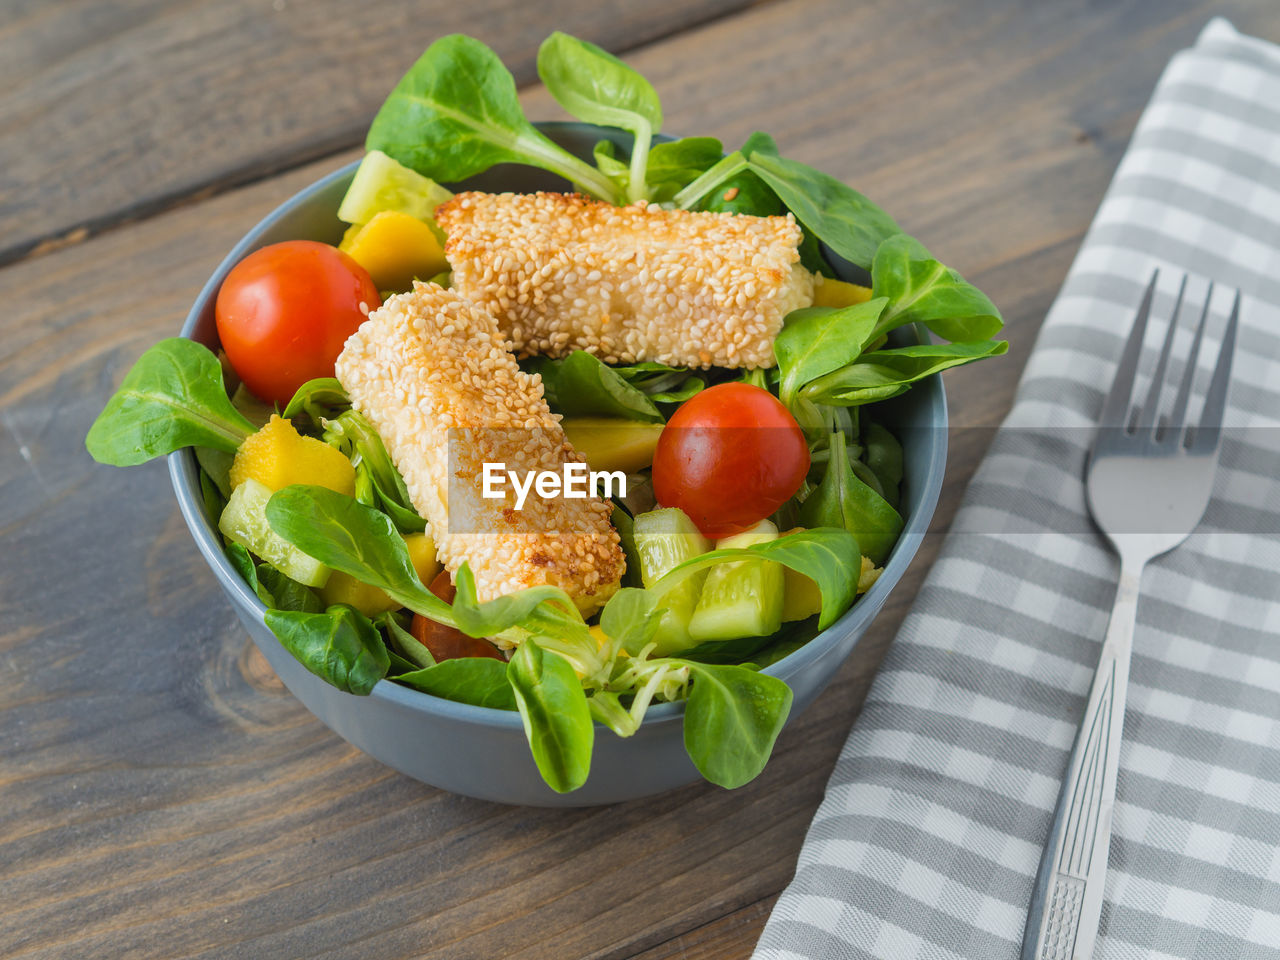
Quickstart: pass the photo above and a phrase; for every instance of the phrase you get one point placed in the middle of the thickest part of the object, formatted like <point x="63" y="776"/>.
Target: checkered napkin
<point x="934" y="820"/>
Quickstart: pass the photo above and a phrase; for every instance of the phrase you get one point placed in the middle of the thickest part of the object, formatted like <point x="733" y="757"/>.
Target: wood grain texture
<point x="161" y="796"/>
<point x="114" y="110"/>
<point x="732" y="935"/>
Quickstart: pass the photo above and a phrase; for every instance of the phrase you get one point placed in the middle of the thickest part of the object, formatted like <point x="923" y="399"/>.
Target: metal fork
<point x="1148" y="483"/>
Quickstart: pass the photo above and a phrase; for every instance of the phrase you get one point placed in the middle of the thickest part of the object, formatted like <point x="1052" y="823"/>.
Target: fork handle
<point x="1066" y="902"/>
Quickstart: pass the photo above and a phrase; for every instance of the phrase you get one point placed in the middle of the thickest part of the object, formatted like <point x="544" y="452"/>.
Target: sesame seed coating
<point x="562" y="272"/>
<point x="431" y="372"/>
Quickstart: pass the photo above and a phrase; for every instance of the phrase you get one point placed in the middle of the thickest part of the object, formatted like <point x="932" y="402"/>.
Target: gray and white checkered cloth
<point x="927" y="842"/>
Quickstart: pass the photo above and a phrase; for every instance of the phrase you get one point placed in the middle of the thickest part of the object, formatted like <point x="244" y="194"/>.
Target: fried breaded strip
<point x="432" y="373"/>
<point x="563" y="272"/>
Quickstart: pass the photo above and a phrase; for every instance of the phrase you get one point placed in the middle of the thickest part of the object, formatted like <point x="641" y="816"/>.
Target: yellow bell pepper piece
<point x="869" y="574"/>
<point x="422" y="554"/>
<point x="277" y="455"/>
<point x="344" y="588"/>
<point x="349" y="235"/>
<point x="598" y="634"/>
<point x="602" y="641"/>
<point x="373" y="601"/>
<point x="612" y="443"/>
<point x="801" y="597"/>
<point x="395" y="248"/>
<point x="837" y="293"/>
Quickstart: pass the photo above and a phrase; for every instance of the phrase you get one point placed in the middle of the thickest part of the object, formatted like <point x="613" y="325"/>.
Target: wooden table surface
<point x="161" y="794"/>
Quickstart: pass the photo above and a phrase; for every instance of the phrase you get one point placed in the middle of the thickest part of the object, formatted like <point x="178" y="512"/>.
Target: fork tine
<point x="1178" y="421"/>
<point x="1206" y="436"/>
<point x="1115" y="410"/>
<point x="1147" y="414"/>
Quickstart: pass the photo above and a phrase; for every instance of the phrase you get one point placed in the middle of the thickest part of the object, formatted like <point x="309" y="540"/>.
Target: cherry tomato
<point x="285" y="311"/>
<point x="448" y="643"/>
<point x="729" y="457"/>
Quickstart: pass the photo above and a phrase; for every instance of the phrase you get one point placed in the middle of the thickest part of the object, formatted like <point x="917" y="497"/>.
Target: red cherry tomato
<point x="285" y="311"/>
<point x="448" y="643"/>
<point x="729" y="457"/>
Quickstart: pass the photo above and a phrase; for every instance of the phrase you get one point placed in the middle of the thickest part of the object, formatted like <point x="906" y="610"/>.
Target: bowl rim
<point x="184" y="476"/>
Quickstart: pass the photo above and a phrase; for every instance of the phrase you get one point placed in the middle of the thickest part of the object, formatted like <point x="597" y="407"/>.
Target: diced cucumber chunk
<point x="244" y="520"/>
<point x="663" y="539"/>
<point x="381" y="183"/>
<point x="742" y="598"/>
<point x="672" y="635"/>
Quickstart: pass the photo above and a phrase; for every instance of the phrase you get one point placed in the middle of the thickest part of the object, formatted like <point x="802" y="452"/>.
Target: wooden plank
<point x="733" y="935"/>
<point x="112" y="111"/>
<point x="163" y="797"/>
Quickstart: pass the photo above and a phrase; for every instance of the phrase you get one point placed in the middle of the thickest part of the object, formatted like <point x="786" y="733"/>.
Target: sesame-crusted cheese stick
<point x="562" y="272"/>
<point x="432" y="373"/>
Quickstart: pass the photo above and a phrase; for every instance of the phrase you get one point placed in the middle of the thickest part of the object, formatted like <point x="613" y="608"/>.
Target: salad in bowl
<point x="567" y="454"/>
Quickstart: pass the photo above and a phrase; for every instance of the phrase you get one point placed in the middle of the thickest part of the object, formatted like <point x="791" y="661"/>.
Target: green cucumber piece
<point x="244" y="521"/>
<point x="663" y="539"/>
<point x="742" y="598"/>
<point x="381" y="184"/>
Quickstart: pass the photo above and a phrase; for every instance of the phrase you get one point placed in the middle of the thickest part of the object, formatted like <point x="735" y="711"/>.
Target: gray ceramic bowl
<point x="479" y="751"/>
